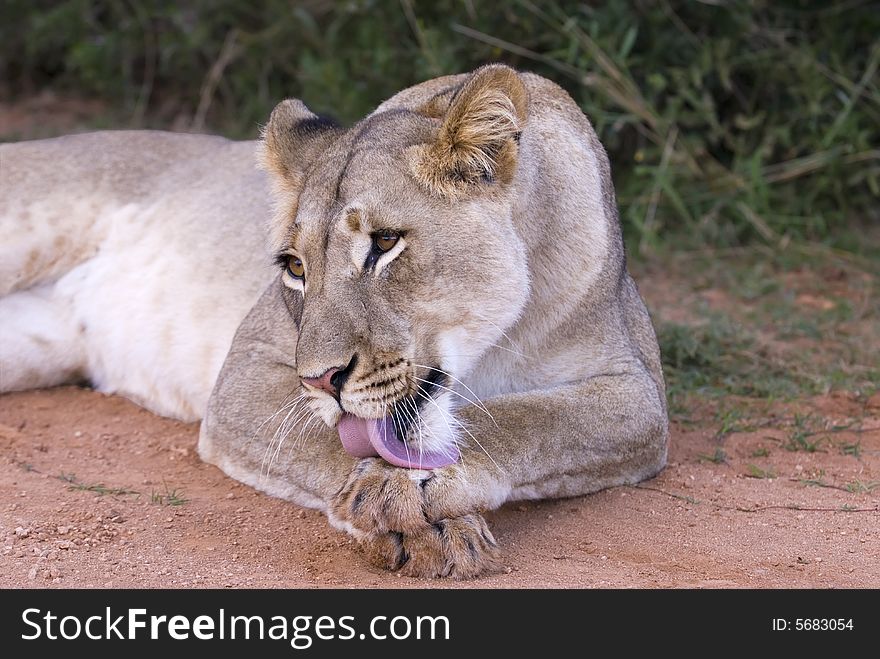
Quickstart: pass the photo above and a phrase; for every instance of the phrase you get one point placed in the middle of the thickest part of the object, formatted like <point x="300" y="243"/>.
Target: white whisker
<point x="496" y="326"/>
<point x="304" y="431"/>
<point x="276" y="435"/>
<point x="471" y="391"/>
<point x="298" y="411"/>
<point x="444" y="414"/>
<point x="478" y="404"/>
<point x="285" y="405"/>
<point x="489" y="344"/>
<point x="417" y="423"/>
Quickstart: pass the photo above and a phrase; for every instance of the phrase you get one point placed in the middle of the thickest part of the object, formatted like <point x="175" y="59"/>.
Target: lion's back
<point x="149" y="245"/>
<point x="62" y="197"/>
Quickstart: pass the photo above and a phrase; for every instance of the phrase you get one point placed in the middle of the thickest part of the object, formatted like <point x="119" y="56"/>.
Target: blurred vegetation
<point x="727" y="122"/>
<point x="754" y="323"/>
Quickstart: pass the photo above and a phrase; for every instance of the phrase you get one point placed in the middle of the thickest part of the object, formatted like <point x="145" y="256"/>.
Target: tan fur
<point x="128" y="259"/>
<point x="284" y="150"/>
<point x="477" y="139"/>
<point x="507" y="285"/>
<point x="511" y="279"/>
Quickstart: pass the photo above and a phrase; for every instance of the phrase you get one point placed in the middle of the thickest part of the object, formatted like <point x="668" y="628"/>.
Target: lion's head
<point x="399" y="256"/>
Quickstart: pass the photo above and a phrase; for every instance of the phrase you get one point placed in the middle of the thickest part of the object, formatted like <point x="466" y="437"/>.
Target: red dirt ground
<point x="699" y="524"/>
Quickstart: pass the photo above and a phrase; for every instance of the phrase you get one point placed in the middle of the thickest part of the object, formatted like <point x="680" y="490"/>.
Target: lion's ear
<point x="291" y="141"/>
<point x="478" y="141"/>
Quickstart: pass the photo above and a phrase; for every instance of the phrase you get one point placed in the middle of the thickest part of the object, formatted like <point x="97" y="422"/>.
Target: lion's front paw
<point x="419" y="522"/>
<point x="459" y="548"/>
<point x="380" y="498"/>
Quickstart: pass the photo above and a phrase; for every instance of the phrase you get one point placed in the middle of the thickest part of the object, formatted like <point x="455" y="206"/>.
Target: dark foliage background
<point x="726" y="122"/>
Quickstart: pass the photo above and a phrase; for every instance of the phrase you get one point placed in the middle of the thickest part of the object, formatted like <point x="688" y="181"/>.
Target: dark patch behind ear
<point x="292" y="139"/>
<point x="317" y="124"/>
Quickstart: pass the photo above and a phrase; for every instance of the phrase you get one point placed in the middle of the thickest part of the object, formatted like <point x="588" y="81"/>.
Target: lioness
<point x="450" y="293"/>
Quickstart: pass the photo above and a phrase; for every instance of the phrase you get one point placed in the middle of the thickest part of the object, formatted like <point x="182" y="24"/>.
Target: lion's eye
<point x="385" y="240"/>
<point x="295" y="268"/>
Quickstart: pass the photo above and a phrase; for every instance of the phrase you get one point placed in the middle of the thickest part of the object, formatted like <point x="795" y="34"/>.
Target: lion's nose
<point x="325" y="381"/>
<point x="331" y="380"/>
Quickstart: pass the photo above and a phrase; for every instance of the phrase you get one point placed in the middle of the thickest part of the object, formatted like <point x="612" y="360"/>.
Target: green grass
<point x="861" y="487"/>
<point x="803" y="437"/>
<point x="721" y="357"/>
<point x="717" y="457"/>
<point x="727" y="123"/>
<point x="170" y="497"/>
<point x="733" y="420"/>
<point x="762" y="338"/>
<point x="754" y="471"/>
<point x="851" y="448"/>
<point x="100" y="489"/>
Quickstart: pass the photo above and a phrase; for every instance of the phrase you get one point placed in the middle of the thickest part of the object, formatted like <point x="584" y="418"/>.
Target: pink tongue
<point x="364" y="438"/>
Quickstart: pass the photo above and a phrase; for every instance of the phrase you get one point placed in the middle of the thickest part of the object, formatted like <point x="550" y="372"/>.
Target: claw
<point x="386" y="508"/>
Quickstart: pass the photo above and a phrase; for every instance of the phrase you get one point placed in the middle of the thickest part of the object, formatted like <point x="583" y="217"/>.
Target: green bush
<point x="726" y="122"/>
